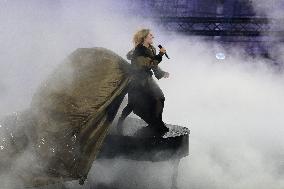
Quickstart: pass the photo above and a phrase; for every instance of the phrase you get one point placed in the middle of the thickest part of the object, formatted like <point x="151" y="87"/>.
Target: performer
<point x="145" y="98"/>
<point x="71" y="112"/>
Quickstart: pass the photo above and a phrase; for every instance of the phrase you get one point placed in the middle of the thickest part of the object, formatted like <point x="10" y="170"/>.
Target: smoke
<point x="233" y="107"/>
<point x="271" y="9"/>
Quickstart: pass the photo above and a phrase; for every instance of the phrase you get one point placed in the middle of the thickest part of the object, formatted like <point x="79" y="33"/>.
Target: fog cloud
<point x="233" y="107"/>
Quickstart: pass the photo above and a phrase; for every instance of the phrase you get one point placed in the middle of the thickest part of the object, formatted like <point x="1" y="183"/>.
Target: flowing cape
<point x="68" y="118"/>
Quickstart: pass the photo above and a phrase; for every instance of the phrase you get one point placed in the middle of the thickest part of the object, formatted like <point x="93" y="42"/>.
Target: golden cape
<point x="70" y="115"/>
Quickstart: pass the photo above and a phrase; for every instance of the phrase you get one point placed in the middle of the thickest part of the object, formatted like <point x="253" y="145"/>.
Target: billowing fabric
<point x="59" y="136"/>
<point x="68" y="118"/>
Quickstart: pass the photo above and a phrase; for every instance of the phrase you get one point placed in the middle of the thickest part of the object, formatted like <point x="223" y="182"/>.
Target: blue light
<point x="220" y="56"/>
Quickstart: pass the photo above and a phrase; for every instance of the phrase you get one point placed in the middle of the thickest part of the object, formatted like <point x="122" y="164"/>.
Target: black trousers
<point x="145" y="99"/>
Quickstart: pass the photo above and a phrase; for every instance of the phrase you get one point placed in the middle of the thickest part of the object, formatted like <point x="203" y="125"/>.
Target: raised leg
<point x="125" y="112"/>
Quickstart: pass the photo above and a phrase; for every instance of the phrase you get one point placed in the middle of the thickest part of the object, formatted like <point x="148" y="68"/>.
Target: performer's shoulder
<point x="129" y="55"/>
<point x="140" y="47"/>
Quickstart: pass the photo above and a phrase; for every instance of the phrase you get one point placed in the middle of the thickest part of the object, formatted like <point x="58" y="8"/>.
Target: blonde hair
<point x="140" y="36"/>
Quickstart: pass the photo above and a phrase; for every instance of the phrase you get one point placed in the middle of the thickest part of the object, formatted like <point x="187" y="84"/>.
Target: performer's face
<point x="149" y="38"/>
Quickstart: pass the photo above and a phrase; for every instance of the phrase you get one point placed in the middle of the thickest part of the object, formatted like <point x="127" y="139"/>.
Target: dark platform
<point x="133" y="145"/>
<point x="139" y="145"/>
<point x="173" y="145"/>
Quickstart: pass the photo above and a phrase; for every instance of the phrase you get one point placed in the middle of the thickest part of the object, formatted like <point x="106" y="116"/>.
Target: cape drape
<point x="68" y="118"/>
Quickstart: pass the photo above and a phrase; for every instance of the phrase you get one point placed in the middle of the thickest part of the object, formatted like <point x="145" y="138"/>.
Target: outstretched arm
<point x="158" y="72"/>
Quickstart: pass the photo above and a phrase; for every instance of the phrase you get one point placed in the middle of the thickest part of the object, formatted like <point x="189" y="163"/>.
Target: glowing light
<point x="220" y="56"/>
<point x="1" y="147"/>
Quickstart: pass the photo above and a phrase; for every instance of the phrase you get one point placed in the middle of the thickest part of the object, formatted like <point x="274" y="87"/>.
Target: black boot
<point x="159" y="128"/>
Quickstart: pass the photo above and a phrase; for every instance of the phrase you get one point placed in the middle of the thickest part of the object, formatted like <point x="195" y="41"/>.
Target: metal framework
<point x="220" y="26"/>
<point x="228" y="22"/>
<point x="208" y="17"/>
<point x="177" y="8"/>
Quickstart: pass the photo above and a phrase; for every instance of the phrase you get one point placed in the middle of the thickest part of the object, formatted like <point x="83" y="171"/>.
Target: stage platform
<point x="137" y="145"/>
<point x="132" y="144"/>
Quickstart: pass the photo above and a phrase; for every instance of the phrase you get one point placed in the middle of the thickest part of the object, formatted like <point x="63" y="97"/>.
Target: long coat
<point x="144" y="94"/>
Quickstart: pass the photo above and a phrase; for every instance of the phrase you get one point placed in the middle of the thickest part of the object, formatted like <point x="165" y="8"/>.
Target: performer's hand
<point x="163" y="50"/>
<point x="166" y="75"/>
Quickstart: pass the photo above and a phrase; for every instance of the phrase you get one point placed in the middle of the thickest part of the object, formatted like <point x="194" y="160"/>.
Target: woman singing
<point x="145" y="98"/>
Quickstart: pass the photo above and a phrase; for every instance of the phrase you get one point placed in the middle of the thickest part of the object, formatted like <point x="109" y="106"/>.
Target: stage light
<point x="220" y="56"/>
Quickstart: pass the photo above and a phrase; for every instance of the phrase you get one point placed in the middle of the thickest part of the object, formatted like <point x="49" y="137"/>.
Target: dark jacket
<point x="144" y="60"/>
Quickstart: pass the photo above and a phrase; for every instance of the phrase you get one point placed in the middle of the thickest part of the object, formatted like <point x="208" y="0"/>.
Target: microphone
<point x="160" y="46"/>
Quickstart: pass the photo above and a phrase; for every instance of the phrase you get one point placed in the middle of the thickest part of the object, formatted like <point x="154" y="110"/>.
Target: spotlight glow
<point x="220" y="56"/>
